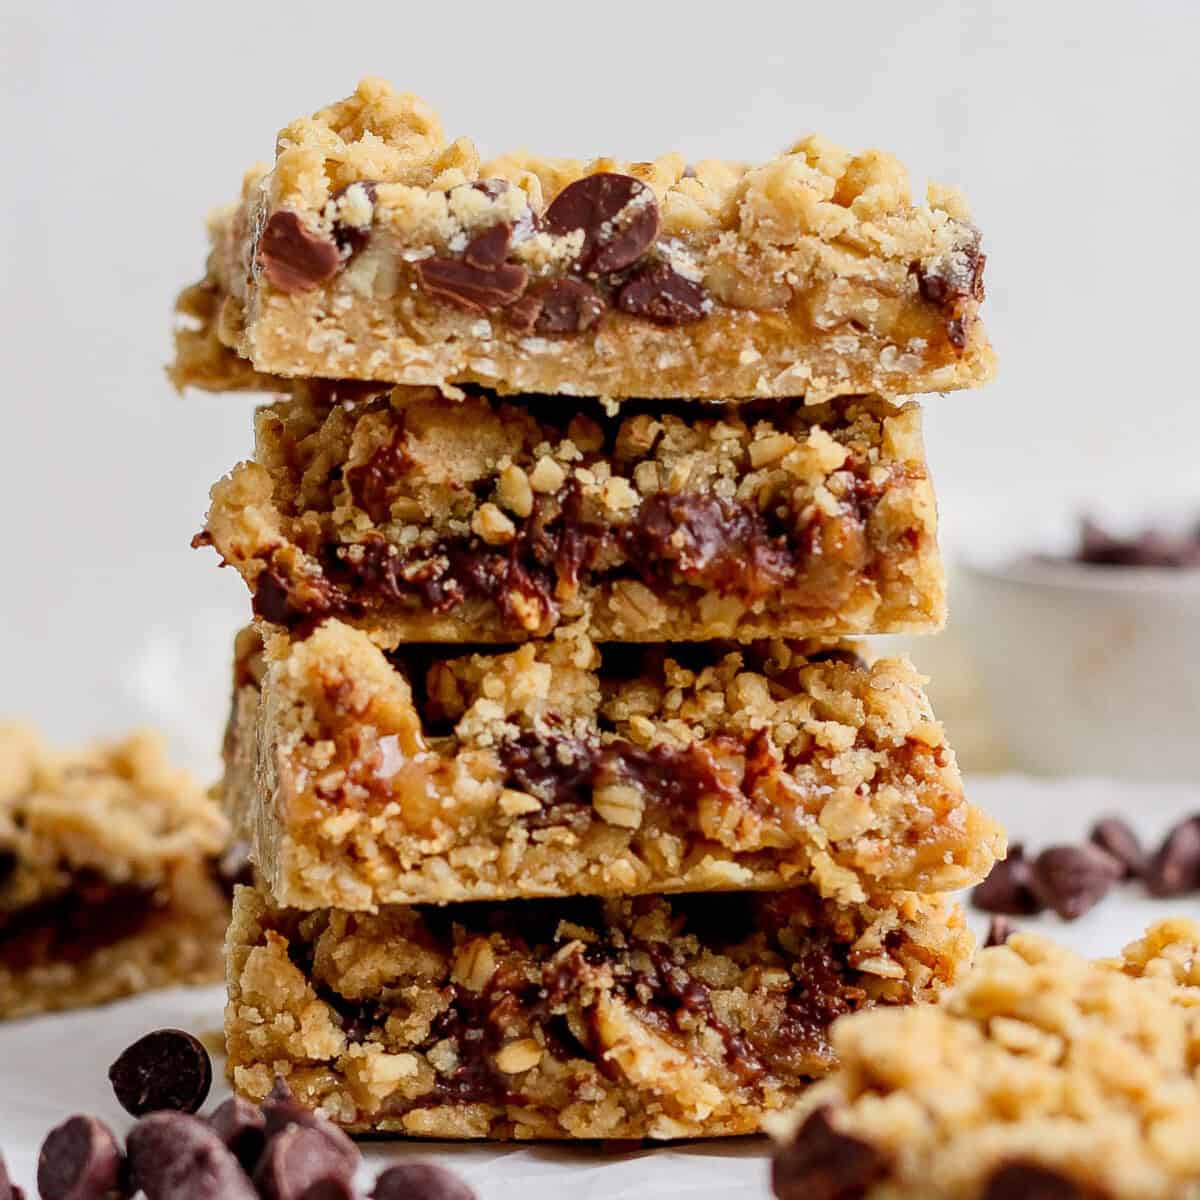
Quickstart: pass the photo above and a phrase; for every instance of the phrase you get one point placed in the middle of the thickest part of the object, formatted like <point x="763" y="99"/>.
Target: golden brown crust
<point x="663" y="1018"/>
<point x="811" y="274"/>
<point x="557" y="769"/>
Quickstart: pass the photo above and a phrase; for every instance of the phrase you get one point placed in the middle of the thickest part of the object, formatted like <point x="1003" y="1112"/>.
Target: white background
<point x="1072" y="127"/>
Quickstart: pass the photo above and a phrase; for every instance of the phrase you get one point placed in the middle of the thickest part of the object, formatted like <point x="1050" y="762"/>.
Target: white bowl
<point x="1089" y="670"/>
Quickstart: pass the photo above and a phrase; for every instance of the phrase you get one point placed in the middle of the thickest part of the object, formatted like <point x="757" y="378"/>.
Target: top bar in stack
<point x="373" y="250"/>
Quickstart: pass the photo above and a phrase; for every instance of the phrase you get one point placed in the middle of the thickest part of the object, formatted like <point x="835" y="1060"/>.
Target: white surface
<point x="1092" y="669"/>
<point x="52" y="1065"/>
<point x="1070" y="125"/>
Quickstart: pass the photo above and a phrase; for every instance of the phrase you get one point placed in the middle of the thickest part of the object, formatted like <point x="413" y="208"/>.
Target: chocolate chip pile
<point x="278" y="1150"/>
<point x="1071" y="880"/>
<point x="1149" y="548"/>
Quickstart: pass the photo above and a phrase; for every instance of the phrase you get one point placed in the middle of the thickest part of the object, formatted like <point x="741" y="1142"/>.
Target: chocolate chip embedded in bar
<point x="561" y="767"/>
<point x="106" y="873"/>
<point x="425" y="519"/>
<point x="1026" y="1046"/>
<point x="660" y="1017"/>
<point x="374" y="250"/>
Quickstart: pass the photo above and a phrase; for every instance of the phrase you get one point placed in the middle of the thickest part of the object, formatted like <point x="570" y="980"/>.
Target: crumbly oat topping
<point x="1039" y="1066"/>
<point x="650" y="1017"/>
<point x="563" y="767"/>
<point x="430" y="519"/>
<point x="373" y="249"/>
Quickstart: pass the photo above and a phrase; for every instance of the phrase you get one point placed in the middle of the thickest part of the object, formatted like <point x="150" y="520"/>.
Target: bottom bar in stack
<point x="659" y="1017"/>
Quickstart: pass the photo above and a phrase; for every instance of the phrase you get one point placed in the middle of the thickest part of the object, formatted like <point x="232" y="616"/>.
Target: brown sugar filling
<point x="699" y="539"/>
<point x="535" y="989"/>
<point x="90" y="913"/>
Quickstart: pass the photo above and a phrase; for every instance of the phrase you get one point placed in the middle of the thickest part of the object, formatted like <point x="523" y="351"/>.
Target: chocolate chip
<point x="301" y="1163"/>
<point x="167" y="1069"/>
<point x="294" y="258"/>
<point x="1028" y="1181"/>
<point x="1116" y="838"/>
<point x="8" y="864"/>
<point x="1175" y="868"/>
<point x="174" y="1156"/>
<point x="523" y="315"/>
<point x="79" y="1160"/>
<point x="1000" y="929"/>
<point x="282" y="1111"/>
<point x="567" y="306"/>
<point x="660" y="294"/>
<point x="617" y="213"/>
<point x="490" y="248"/>
<point x="1009" y="888"/>
<point x="241" y="1126"/>
<point x="420" y="1181"/>
<point x="1073" y="879"/>
<point x="8" y="1190"/>
<point x="475" y="289"/>
<point x="823" y="1164"/>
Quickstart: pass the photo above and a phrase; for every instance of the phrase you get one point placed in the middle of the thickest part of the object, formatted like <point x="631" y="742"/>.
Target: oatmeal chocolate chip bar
<point x="109" y="876"/>
<point x="374" y="250"/>
<point x="431" y="520"/>
<point x="653" y="1016"/>
<point x="364" y="778"/>
<point x="1041" y="1074"/>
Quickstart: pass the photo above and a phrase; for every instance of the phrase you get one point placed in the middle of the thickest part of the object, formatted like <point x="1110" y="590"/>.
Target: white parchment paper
<point x="52" y="1066"/>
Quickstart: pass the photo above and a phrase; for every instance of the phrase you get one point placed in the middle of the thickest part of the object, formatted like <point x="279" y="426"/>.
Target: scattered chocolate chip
<point x="294" y="258"/>
<point x="420" y="1181"/>
<point x="567" y="306"/>
<point x="8" y="864"/>
<point x="79" y="1160"/>
<point x="8" y="1190"/>
<point x="617" y="213"/>
<point x="660" y="294"/>
<point x="301" y="1163"/>
<point x="490" y="248"/>
<point x="174" y="1156"/>
<point x="475" y="289"/>
<point x="167" y="1069"/>
<point x="1149" y="548"/>
<point x="1000" y="929"/>
<point x="241" y="1126"/>
<point x="1028" y="1181"/>
<point x="1073" y="879"/>
<point x="1008" y="889"/>
<point x="1116" y="838"/>
<point x="1175" y="867"/>
<point x="282" y="1111"/>
<point x="823" y="1164"/>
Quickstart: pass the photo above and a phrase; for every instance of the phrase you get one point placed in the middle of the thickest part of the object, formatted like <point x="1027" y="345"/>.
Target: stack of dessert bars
<point x="573" y="815"/>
